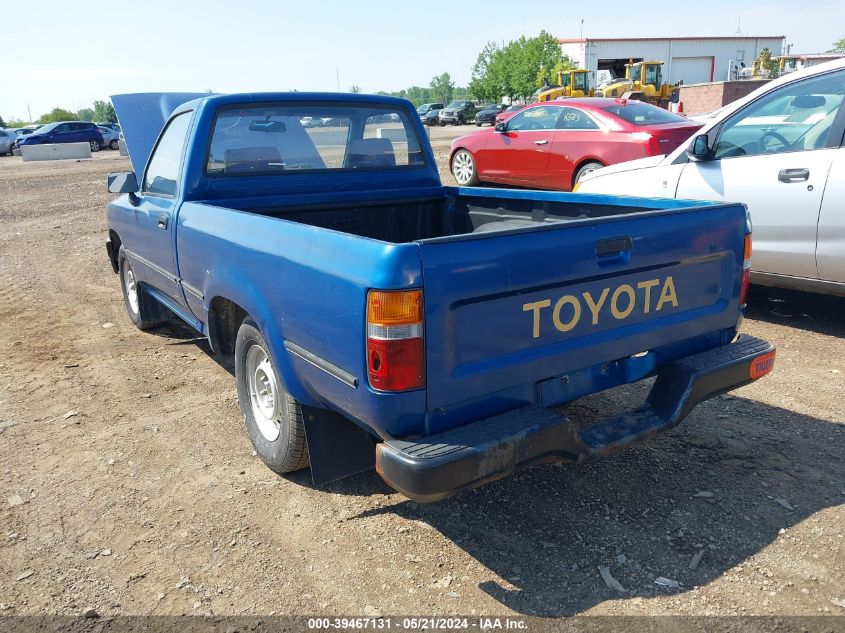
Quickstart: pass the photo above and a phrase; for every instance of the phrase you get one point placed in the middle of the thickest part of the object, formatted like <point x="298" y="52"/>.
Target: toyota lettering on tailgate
<point x="611" y="303"/>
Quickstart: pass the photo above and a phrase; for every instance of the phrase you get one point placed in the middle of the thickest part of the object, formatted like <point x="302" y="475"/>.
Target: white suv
<point x="780" y="151"/>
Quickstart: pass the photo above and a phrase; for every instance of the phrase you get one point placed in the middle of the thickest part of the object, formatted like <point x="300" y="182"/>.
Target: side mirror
<point x="123" y="182"/>
<point x="502" y="126"/>
<point x="700" y="148"/>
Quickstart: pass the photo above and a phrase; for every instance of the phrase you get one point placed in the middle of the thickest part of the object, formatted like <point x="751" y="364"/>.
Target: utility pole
<point x="28" y="114"/>
<point x="337" y="72"/>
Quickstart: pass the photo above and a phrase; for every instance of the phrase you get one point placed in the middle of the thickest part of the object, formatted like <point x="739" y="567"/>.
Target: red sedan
<point x="551" y="145"/>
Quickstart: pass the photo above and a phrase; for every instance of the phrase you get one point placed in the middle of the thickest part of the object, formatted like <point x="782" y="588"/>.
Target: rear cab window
<point x="277" y="139"/>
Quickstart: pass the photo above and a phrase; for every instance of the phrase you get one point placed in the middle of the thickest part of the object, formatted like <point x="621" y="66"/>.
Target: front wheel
<point x="144" y="311"/>
<point x="586" y="169"/>
<point x="463" y="168"/>
<point x="273" y="419"/>
<point x="95" y="145"/>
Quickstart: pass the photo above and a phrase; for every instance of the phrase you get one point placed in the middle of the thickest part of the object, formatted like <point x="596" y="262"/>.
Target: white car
<point x="780" y="151"/>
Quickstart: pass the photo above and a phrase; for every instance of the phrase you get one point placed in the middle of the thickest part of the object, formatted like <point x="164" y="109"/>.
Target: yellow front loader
<point x="644" y="82"/>
<point x="573" y="83"/>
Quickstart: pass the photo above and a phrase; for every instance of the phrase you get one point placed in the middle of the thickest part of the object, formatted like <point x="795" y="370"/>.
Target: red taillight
<point x="395" y="350"/>
<point x="746" y="272"/>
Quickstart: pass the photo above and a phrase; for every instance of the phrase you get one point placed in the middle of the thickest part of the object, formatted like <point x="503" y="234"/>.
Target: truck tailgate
<point x="508" y="308"/>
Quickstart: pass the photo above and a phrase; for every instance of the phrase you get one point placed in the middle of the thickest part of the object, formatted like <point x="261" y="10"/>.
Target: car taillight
<point x="395" y="350"/>
<point x="746" y="272"/>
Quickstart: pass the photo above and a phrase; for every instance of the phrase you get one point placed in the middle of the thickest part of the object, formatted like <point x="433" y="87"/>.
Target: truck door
<point x="153" y="244"/>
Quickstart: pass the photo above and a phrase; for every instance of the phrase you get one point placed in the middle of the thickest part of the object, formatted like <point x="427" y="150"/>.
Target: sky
<point x="67" y="56"/>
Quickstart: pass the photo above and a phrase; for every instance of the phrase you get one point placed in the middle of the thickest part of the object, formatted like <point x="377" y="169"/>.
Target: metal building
<point x="691" y="59"/>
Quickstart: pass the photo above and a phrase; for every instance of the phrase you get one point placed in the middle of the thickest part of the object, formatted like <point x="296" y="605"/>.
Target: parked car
<point x="26" y="130"/>
<point x="551" y="145"/>
<point x="425" y="108"/>
<point x="424" y="330"/>
<point x="508" y="112"/>
<point x="110" y="136"/>
<point x="457" y="113"/>
<point x="111" y="125"/>
<point x="7" y="141"/>
<point x="65" y="132"/>
<point x="431" y="118"/>
<point x="488" y="113"/>
<point x="780" y="151"/>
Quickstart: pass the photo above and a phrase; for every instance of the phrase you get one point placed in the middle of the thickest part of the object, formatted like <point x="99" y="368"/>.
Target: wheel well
<point x="581" y="164"/>
<point x="115" y="250"/>
<point x="224" y="320"/>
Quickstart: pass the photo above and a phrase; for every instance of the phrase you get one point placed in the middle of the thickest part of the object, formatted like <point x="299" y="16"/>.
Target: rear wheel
<point x="113" y="144"/>
<point x="463" y="168"/>
<point x="586" y="169"/>
<point x="95" y="145"/>
<point x="273" y="419"/>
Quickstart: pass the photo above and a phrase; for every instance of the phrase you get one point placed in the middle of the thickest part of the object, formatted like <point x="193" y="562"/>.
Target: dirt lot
<point x="128" y="483"/>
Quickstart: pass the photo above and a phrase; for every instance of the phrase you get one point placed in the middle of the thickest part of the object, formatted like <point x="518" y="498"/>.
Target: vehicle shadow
<point x="180" y="333"/>
<point x="722" y="485"/>
<point x="809" y="311"/>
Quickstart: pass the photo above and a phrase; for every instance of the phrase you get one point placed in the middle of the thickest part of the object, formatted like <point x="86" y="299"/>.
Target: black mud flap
<point x="337" y="447"/>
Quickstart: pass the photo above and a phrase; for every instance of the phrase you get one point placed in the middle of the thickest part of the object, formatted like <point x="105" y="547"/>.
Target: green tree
<point x="355" y="89"/>
<point x="2" y="122"/>
<point x="442" y="87"/>
<point x="765" y="64"/>
<point x="57" y="114"/>
<point x="104" y="112"/>
<point x="482" y="84"/>
<point x="839" y="46"/>
<point x="85" y="114"/>
<point x="518" y="68"/>
<point x="16" y="123"/>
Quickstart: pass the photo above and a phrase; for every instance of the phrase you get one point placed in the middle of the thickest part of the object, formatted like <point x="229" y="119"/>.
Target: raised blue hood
<point x="142" y="117"/>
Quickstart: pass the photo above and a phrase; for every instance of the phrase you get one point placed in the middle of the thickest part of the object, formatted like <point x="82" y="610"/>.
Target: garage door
<point x="693" y="70"/>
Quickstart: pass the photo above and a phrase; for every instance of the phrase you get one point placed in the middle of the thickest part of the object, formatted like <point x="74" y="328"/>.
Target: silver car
<point x="7" y="141"/>
<point x="110" y="136"/>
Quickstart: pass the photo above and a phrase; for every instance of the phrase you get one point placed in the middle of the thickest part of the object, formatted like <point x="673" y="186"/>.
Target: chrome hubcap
<point x="131" y="288"/>
<point x="462" y="167"/>
<point x="263" y="392"/>
<point x="585" y="172"/>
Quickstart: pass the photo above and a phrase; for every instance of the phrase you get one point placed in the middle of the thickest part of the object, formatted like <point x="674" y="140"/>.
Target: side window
<point x="64" y="127"/>
<point x="573" y="119"/>
<point x="795" y="118"/>
<point x="79" y="127"/>
<point x="539" y="118"/>
<point x="163" y="170"/>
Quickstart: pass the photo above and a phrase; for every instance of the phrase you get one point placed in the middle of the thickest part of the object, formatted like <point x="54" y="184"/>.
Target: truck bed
<point x="455" y="212"/>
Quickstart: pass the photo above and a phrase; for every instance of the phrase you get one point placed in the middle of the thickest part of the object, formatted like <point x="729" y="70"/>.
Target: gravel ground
<point x="128" y="484"/>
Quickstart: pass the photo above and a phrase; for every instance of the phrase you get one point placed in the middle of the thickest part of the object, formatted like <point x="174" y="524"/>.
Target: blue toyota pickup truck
<point x="378" y="318"/>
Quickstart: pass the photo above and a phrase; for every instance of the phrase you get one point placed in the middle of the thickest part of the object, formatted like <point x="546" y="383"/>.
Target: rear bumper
<point x="438" y="466"/>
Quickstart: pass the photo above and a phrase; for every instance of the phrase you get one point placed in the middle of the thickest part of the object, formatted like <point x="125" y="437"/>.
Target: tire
<point x="144" y="311"/>
<point x="477" y="124"/>
<point x="113" y="144"/>
<point x="460" y="121"/>
<point x="586" y="169"/>
<point x="95" y="145"/>
<point x="463" y="168"/>
<point x="274" y="420"/>
<point x="442" y="123"/>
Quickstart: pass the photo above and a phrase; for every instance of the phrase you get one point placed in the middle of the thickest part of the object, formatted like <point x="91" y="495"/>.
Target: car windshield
<point x="46" y="128"/>
<point x="424" y="107"/>
<point x="456" y="104"/>
<point x="644" y="114"/>
<point x="272" y="139"/>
